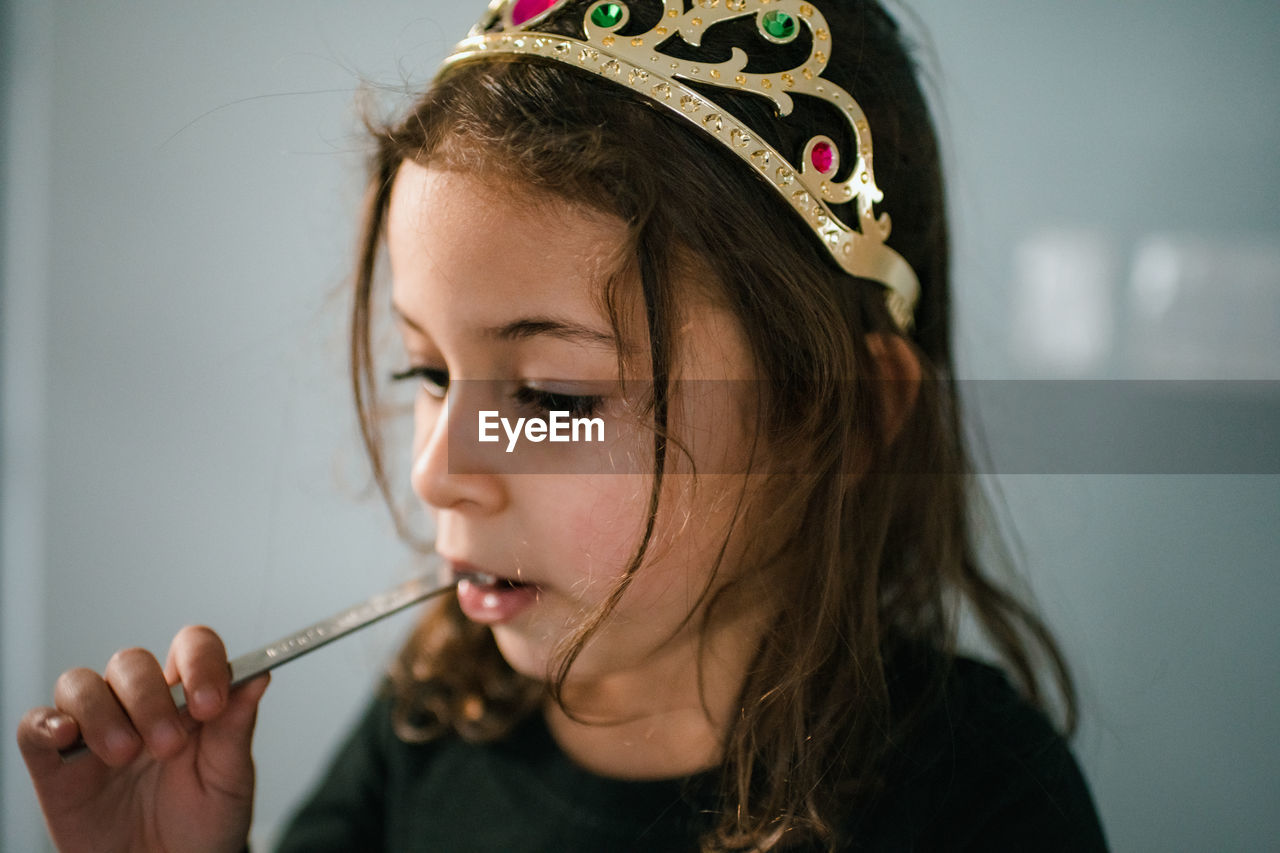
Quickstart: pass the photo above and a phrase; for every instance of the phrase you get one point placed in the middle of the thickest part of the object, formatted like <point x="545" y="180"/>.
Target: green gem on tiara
<point x="780" y="25"/>
<point x="606" y="15"/>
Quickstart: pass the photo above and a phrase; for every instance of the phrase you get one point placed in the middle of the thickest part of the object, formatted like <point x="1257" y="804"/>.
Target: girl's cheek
<point x="607" y="516"/>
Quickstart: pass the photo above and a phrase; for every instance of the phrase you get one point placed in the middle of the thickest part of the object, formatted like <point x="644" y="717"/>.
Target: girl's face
<point x="497" y="298"/>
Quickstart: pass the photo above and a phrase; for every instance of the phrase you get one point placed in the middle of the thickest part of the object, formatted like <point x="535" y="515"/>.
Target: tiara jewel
<point x="637" y="60"/>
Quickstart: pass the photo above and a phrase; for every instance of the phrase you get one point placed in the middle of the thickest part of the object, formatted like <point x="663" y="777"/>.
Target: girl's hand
<point x="154" y="779"/>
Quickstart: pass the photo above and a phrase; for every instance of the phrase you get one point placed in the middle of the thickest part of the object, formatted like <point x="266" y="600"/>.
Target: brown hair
<point x="882" y="547"/>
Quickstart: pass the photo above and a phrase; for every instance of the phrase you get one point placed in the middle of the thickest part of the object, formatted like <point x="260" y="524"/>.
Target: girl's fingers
<point x="82" y="695"/>
<point x="41" y="734"/>
<point x="225" y="758"/>
<point x="129" y="708"/>
<point x="233" y="729"/>
<point x="59" y="786"/>
<point x="135" y="677"/>
<point x="48" y="728"/>
<point x="198" y="659"/>
<point x="225" y="716"/>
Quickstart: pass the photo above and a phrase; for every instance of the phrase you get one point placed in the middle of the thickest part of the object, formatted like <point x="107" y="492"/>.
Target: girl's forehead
<point x="422" y="193"/>
<point x="460" y="235"/>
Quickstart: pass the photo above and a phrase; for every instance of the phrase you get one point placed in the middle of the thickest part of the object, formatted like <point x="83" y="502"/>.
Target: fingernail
<point x="56" y="723"/>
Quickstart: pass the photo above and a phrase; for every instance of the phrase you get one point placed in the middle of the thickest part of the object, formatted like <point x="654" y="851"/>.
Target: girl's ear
<point x="899" y="376"/>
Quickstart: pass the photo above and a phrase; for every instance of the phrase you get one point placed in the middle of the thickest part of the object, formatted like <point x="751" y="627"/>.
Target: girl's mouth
<point x="491" y="600"/>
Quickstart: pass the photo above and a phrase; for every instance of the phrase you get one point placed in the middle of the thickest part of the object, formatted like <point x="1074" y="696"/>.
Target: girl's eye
<point x="434" y="380"/>
<point x="548" y="401"/>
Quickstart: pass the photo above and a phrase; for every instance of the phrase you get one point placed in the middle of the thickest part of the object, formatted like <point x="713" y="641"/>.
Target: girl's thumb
<point x="226" y="739"/>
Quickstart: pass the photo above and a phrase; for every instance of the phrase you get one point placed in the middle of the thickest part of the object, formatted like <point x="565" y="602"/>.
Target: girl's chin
<point x="538" y="657"/>
<point x="526" y="655"/>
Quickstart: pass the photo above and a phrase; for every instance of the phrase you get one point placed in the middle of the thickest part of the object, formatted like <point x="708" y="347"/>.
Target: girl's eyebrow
<point x="530" y="327"/>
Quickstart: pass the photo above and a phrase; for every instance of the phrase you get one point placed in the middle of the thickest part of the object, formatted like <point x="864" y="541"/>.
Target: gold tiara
<point x="637" y="61"/>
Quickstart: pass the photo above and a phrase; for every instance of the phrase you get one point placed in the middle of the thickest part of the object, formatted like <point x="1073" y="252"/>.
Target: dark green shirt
<point x="984" y="772"/>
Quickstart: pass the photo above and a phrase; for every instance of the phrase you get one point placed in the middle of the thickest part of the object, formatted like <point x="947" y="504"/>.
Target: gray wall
<point x="180" y="183"/>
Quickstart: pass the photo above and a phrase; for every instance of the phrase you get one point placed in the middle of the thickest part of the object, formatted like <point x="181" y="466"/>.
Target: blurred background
<point x="180" y="187"/>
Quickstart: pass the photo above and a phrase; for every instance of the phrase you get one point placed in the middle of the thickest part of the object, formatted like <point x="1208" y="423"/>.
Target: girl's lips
<point x="492" y="601"/>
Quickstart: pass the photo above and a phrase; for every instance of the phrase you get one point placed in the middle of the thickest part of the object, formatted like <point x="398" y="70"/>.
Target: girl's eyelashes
<point x="435" y="381"/>
<point x="543" y="401"/>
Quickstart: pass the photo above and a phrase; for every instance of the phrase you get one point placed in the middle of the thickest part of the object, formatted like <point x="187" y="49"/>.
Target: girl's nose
<point x="449" y="474"/>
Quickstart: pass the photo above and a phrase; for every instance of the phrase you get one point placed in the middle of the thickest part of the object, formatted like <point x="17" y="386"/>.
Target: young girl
<point x="723" y="615"/>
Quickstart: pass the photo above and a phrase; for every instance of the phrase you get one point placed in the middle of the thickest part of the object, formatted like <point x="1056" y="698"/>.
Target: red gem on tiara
<point x="526" y="10"/>
<point x="822" y="157"/>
